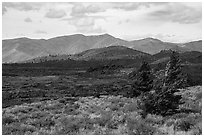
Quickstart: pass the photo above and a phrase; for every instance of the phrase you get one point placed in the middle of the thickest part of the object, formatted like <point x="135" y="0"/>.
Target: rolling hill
<point x="98" y="54"/>
<point x="190" y="57"/>
<point x="21" y="49"/>
<point x="112" y="52"/>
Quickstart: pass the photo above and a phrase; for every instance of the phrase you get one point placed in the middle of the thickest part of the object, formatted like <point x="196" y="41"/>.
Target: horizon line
<point x="148" y="37"/>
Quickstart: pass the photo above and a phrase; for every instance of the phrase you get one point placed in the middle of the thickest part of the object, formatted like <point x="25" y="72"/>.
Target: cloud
<point x="127" y="6"/>
<point x="52" y="13"/>
<point x="130" y="6"/>
<point x="22" y="6"/>
<point x="124" y="21"/>
<point x="85" y="24"/>
<point x="4" y="10"/>
<point x="28" y="19"/>
<point x="90" y="29"/>
<point x="178" y="12"/>
<point x="40" y="32"/>
<point x="81" y="10"/>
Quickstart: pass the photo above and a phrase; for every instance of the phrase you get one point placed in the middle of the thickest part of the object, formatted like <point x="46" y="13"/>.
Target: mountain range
<point x="81" y="47"/>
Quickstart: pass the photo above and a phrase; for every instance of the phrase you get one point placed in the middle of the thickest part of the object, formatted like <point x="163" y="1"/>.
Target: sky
<point x="167" y="21"/>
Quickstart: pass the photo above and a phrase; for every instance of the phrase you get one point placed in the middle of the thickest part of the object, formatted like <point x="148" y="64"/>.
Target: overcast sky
<point x="173" y="22"/>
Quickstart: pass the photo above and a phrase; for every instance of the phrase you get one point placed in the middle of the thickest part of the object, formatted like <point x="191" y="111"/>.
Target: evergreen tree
<point x="165" y="101"/>
<point x="143" y="83"/>
<point x="173" y="73"/>
<point x="174" y="79"/>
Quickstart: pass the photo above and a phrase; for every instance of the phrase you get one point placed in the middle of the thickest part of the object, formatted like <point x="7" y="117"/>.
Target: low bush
<point x="17" y="129"/>
<point x="8" y="119"/>
<point x="44" y="122"/>
<point x="130" y="107"/>
<point x="69" y="125"/>
<point x="139" y="127"/>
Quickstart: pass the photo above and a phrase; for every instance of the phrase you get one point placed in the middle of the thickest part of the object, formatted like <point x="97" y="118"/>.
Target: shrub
<point x="53" y="106"/>
<point x="8" y="119"/>
<point x="23" y="117"/>
<point x="184" y="125"/>
<point x="39" y="114"/>
<point x="154" y="119"/>
<point x="44" y="122"/>
<point x="71" y="109"/>
<point x="114" y="107"/>
<point x="21" y="109"/>
<point x="139" y="127"/>
<point x="199" y="96"/>
<point x="17" y="129"/>
<point x="69" y="125"/>
<point x="130" y="107"/>
<point x="104" y="119"/>
<point x="197" y="129"/>
<point x="121" y="104"/>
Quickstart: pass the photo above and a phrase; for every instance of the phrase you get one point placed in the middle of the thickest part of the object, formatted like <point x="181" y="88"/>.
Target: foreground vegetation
<point x="104" y="115"/>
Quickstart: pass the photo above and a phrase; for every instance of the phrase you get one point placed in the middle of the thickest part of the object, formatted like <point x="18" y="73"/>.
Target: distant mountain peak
<point x="102" y="35"/>
<point x="22" y="38"/>
<point x="77" y="35"/>
<point x="152" y="39"/>
<point x="65" y="36"/>
<point x="106" y="34"/>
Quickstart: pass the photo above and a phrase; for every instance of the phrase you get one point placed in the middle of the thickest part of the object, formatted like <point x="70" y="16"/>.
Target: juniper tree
<point x="143" y="83"/>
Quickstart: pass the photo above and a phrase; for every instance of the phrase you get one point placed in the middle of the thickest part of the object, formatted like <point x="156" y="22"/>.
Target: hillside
<point x="192" y="57"/>
<point x="194" y="45"/>
<point x="112" y="52"/>
<point x="153" y="46"/>
<point x="106" y="53"/>
<point x="21" y="49"/>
